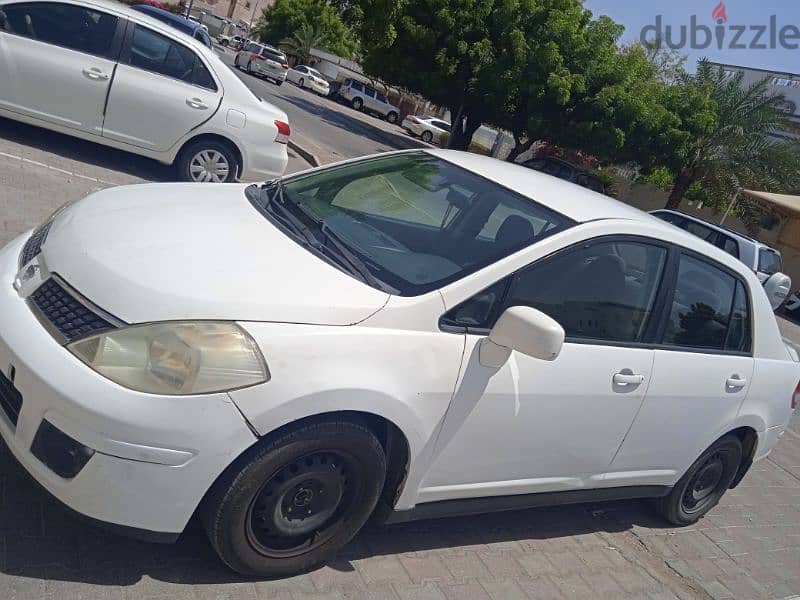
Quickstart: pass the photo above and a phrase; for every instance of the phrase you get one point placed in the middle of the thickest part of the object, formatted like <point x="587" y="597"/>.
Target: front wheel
<point x="236" y="62"/>
<point x="357" y="103"/>
<point x="392" y="117"/>
<point x="279" y="82"/>
<point x="701" y="488"/>
<point x="290" y="503"/>
<point x="427" y="137"/>
<point x="302" y="82"/>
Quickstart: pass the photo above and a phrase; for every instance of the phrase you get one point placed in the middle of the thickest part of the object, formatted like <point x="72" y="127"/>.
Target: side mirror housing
<point x="525" y="330"/>
<point x="777" y="288"/>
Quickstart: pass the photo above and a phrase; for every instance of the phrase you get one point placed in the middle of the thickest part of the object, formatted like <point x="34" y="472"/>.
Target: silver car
<point x="365" y="97"/>
<point x="262" y="60"/>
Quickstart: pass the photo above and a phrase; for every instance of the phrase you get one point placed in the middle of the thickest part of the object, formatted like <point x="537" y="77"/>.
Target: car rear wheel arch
<point x="749" y="439"/>
<point x="215" y="138"/>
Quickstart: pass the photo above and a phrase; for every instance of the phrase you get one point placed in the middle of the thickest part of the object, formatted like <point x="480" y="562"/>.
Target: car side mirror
<point x="777" y="287"/>
<point x="525" y="330"/>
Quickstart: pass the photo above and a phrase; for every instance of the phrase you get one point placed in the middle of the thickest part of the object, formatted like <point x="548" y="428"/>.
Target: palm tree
<point x="303" y="40"/>
<point x="737" y="151"/>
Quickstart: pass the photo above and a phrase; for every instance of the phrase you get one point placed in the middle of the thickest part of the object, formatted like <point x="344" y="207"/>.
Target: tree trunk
<point x="682" y="184"/>
<point x="463" y="126"/>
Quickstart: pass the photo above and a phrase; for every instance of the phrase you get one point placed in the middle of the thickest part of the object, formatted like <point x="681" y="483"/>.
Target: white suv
<point x="422" y="333"/>
<point x="266" y="61"/>
<point x="109" y="74"/>
<point x="365" y="97"/>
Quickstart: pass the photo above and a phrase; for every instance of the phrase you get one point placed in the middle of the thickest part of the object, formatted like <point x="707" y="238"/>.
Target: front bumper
<point x="153" y="457"/>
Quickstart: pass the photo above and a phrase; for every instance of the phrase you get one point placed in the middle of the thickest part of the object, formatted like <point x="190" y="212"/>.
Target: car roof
<point x="573" y="201"/>
<point x="717" y="227"/>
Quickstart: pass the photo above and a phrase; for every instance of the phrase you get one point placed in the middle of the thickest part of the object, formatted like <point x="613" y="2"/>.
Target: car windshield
<point x="409" y="223"/>
<point x="314" y="72"/>
<point x="769" y="261"/>
<point x="271" y="54"/>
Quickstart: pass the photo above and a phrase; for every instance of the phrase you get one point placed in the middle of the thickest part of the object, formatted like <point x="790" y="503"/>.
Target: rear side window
<point x="701" y="231"/>
<point x="157" y="53"/>
<point x="602" y="291"/>
<point x="380" y="97"/>
<point x="769" y="262"/>
<point x="66" y="25"/>
<point x="704" y="314"/>
<point x="729" y="245"/>
<point x="676" y="220"/>
<point x="276" y="56"/>
<point x="370" y="92"/>
<point x="356" y="86"/>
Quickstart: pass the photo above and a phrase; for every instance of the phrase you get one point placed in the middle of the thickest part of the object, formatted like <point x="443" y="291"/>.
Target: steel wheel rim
<point x="209" y="166"/>
<point x="427" y="137"/>
<point x="704" y="484"/>
<point x="303" y="504"/>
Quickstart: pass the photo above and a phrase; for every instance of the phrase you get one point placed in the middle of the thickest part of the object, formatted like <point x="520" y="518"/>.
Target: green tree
<point x="733" y="149"/>
<point x="303" y="40"/>
<point x="285" y="17"/>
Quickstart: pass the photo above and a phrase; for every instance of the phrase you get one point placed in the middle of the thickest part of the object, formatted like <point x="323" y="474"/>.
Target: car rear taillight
<point x="796" y="396"/>
<point x="283" y="132"/>
<point x="285" y="65"/>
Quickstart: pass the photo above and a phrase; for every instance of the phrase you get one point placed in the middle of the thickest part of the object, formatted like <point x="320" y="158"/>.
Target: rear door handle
<point x="95" y="74"/>
<point x="196" y="103"/>
<point x="627" y="379"/>
<point x="736" y="383"/>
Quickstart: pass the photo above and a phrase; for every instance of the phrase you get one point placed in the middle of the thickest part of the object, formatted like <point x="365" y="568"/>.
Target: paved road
<point x="328" y="129"/>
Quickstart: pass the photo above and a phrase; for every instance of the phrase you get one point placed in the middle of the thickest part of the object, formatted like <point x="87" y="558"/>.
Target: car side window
<point x="356" y="86"/>
<point x="157" y="53"/>
<point x="700" y="316"/>
<point x="369" y="92"/>
<point x="701" y="231"/>
<point x="380" y="97"/>
<point x="604" y="290"/>
<point x="478" y="312"/>
<point x="729" y="245"/>
<point x="66" y="25"/>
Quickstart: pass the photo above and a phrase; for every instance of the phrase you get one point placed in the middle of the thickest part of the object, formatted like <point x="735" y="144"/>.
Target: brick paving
<point x="748" y="547"/>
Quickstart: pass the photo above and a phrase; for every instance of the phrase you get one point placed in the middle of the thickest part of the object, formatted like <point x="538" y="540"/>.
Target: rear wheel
<point x="357" y="103"/>
<point x="301" y="82"/>
<point x="207" y="161"/>
<point x="427" y="137"/>
<point x="236" y="62"/>
<point x="392" y="117"/>
<point x="250" y="67"/>
<point x="701" y="488"/>
<point x="279" y="82"/>
<point x="289" y="504"/>
<point x="224" y="42"/>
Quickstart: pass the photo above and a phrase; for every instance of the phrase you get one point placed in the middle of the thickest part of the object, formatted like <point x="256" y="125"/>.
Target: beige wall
<point x="785" y="237"/>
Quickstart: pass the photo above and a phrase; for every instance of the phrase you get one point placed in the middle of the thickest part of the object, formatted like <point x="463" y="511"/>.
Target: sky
<point x="636" y="14"/>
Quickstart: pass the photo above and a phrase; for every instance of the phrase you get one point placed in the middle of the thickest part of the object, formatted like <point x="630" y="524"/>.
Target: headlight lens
<point x="177" y="358"/>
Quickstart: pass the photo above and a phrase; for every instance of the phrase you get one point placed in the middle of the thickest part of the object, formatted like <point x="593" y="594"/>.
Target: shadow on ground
<point x="42" y="540"/>
<point x="86" y="152"/>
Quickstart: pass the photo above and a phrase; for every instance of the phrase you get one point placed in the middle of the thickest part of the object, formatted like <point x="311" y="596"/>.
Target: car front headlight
<point x="175" y="358"/>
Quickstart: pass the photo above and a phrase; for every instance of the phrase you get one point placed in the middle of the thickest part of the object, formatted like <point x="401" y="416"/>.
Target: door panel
<point x="533" y="425"/>
<point x="54" y="84"/>
<point x="687" y="405"/>
<point x="153" y="111"/>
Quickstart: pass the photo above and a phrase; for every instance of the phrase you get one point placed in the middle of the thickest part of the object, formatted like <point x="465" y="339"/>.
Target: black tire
<point x="357" y="103"/>
<point x="250" y="67"/>
<point x="427" y="137"/>
<point x="392" y="117"/>
<point x="246" y="513"/>
<point x="701" y="488"/>
<point x="185" y="158"/>
<point x="279" y="82"/>
<point x="301" y="82"/>
<point x="236" y="62"/>
<point x="224" y="43"/>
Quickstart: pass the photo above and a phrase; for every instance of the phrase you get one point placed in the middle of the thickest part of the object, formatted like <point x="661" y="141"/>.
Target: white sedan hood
<point x="197" y="251"/>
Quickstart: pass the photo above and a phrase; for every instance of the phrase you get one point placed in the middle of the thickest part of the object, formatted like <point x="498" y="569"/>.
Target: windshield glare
<point x="417" y="221"/>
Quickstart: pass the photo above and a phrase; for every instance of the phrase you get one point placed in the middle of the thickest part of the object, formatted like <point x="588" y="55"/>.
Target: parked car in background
<point x="765" y="262"/>
<point x="566" y="171"/>
<point x="234" y="41"/>
<point x="430" y="129"/>
<point x="190" y="28"/>
<point x="262" y="60"/>
<point x="481" y="337"/>
<point x="365" y="97"/>
<point x="107" y="73"/>
<point x="306" y="77"/>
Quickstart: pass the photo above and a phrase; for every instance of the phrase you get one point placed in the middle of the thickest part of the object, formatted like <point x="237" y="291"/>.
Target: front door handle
<point x="735" y="382"/>
<point x="627" y="379"/>
<point x="95" y="74"/>
<point x="196" y="103"/>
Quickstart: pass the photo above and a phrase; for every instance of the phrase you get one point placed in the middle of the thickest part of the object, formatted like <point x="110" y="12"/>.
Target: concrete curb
<point x="309" y="157"/>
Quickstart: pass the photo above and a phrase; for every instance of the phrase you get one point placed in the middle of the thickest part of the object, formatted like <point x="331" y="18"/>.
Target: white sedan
<point x="306" y="77"/>
<point x="103" y="72"/>
<point x="430" y="129"/>
<point x="420" y="333"/>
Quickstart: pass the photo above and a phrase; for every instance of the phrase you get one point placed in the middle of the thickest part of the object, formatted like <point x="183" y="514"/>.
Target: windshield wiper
<point x="348" y="255"/>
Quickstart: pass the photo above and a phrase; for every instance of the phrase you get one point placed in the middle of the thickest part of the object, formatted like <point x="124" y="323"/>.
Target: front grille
<point x="65" y="313"/>
<point x="10" y="399"/>
<point x="34" y="244"/>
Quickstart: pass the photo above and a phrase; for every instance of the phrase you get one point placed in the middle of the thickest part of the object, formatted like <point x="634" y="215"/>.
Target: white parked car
<point x="364" y="97"/>
<point x="306" y="77"/>
<point x="106" y="73"/>
<point x="421" y="333"/>
<point x="265" y="61"/>
<point x="430" y="129"/>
